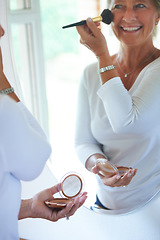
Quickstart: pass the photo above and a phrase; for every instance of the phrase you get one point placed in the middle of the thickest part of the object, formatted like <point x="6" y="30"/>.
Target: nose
<point x="129" y="15"/>
<point x="1" y="31"/>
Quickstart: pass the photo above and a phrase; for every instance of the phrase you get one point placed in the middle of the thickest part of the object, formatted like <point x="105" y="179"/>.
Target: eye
<point x="118" y="6"/>
<point x="140" y="5"/>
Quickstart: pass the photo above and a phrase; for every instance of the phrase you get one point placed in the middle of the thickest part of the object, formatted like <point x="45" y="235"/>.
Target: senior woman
<point x="24" y="150"/>
<point x="118" y="108"/>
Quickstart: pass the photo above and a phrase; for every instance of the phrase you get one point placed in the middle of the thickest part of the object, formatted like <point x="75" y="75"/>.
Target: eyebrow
<point x="136" y="1"/>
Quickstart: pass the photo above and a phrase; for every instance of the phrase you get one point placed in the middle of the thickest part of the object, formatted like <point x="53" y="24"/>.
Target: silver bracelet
<point x="107" y="68"/>
<point x="7" y="90"/>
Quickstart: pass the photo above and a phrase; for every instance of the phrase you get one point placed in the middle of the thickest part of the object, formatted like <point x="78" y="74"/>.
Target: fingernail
<point x="89" y="19"/>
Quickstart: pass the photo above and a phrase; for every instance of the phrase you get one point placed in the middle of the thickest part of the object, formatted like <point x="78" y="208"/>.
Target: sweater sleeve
<point x="85" y="143"/>
<point x="25" y="147"/>
<point x="134" y="112"/>
<point x="31" y="120"/>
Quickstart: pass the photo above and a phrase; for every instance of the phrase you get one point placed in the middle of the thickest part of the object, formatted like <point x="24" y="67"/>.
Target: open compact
<point x="70" y="187"/>
<point x="106" y="168"/>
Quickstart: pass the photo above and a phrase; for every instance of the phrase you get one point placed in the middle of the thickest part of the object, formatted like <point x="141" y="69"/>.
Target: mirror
<point x="91" y="189"/>
<point x="70" y="187"/>
<point x="106" y="168"/>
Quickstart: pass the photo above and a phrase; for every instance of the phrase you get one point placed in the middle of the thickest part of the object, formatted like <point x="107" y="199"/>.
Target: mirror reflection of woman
<point x="118" y="108"/>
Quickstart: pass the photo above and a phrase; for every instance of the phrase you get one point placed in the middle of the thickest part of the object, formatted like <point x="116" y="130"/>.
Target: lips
<point x="130" y="29"/>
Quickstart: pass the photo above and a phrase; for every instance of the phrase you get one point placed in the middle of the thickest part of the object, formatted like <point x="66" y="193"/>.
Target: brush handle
<point x="106" y="17"/>
<point x="75" y="24"/>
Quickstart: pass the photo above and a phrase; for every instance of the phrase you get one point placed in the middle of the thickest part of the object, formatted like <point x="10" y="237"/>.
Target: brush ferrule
<point x="97" y="19"/>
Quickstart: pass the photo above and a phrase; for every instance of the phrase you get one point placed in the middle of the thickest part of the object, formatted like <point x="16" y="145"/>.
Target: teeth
<point x="130" y="29"/>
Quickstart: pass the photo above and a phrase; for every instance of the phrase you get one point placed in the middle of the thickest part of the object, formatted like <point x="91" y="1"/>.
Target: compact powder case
<point x="70" y="187"/>
<point x="106" y="168"/>
<point x="58" y="203"/>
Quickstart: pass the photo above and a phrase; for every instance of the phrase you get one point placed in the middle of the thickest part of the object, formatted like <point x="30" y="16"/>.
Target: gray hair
<point x="157" y="4"/>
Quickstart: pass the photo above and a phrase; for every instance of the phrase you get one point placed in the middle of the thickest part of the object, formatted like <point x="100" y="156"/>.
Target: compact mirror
<point x="70" y="186"/>
<point x="106" y="168"/>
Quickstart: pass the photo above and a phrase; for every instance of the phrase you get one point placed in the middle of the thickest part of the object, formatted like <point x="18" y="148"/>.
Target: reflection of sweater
<point x="125" y="126"/>
<point x="23" y="153"/>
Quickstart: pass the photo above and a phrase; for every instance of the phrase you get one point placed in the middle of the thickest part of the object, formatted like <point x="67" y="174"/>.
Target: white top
<point x="125" y="126"/>
<point x="23" y="153"/>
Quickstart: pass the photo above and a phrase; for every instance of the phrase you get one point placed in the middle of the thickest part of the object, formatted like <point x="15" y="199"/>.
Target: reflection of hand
<point x="92" y="38"/>
<point x="36" y="208"/>
<point x="116" y="180"/>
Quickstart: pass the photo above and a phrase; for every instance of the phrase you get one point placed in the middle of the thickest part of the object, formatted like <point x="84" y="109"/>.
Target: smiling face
<point x="134" y="21"/>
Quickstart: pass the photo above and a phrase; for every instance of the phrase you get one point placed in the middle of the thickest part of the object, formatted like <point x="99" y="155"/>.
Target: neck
<point x="130" y="58"/>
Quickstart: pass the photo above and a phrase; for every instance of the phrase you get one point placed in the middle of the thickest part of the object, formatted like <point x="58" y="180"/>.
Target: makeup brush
<point x="106" y="17"/>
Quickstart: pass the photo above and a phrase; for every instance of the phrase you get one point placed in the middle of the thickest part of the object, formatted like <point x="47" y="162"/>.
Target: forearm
<point x="105" y="61"/>
<point x="25" y="209"/>
<point x="91" y="161"/>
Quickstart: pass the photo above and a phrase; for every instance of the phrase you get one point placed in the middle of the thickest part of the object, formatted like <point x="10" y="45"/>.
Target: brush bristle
<point x="107" y="16"/>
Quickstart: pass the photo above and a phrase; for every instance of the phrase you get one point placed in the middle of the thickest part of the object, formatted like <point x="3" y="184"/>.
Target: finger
<point x="111" y="181"/>
<point x="130" y="174"/>
<point x="92" y="26"/>
<point x="83" y="198"/>
<point x="83" y="31"/>
<point x="78" y="202"/>
<point x="64" y="212"/>
<point x="95" y="169"/>
<point x="55" y="188"/>
<point x="126" y="179"/>
<point x="74" y="207"/>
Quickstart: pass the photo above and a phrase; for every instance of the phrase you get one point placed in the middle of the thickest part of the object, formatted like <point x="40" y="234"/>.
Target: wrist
<point x="25" y="209"/>
<point x="7" y="90"/>
<point x="104" y="59"/>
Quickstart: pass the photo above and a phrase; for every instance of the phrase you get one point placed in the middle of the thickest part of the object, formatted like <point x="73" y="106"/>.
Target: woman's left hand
<point x="36" y="207"/>
<point x="92" y="38"/>
<point x="116" y="180"/>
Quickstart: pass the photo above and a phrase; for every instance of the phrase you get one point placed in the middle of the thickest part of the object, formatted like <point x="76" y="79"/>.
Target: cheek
<point x="115" y="29"/>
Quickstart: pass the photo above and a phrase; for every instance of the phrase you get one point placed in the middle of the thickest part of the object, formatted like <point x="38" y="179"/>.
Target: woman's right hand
<point x="92" y="38"/>
<point x="116" y="180"/>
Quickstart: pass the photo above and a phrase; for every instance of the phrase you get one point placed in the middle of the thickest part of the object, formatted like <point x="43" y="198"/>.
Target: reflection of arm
<point x="86" y="145"/>
<point x="132" y="113"/>
<point x="25" y="147"/>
